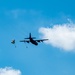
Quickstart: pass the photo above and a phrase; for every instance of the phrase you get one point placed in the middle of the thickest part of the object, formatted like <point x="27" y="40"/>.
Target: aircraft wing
<point x="41" y="40"/>
<point x="25" y="41"/>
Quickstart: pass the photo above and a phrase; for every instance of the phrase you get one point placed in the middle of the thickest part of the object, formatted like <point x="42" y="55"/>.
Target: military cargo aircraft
<point x="32" y="40"/>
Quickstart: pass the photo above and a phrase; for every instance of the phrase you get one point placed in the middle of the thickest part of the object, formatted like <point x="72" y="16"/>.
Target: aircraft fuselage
<point x="33" y="41"/>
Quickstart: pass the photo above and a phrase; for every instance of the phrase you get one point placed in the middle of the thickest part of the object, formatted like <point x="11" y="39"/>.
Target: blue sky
<point x="44" y="19"/>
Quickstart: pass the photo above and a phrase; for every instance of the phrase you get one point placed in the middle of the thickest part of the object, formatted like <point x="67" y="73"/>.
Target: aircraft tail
<point x="30" y="36"/>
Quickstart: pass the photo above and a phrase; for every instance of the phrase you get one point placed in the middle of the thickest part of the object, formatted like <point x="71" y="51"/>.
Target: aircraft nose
<point x="36" y="44"/>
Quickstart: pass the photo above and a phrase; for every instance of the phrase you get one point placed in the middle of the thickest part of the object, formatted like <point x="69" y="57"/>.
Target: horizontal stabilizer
<point x="26" y="38"/>
<point x="31" y="37"/>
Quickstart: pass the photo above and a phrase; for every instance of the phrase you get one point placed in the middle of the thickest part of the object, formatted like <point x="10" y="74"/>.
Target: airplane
<point x="13" y="42"/>
<point x="32" y="40"/>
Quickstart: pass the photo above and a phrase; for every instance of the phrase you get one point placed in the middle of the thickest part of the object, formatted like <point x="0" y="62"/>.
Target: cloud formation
<point x="15" y="13"/>
<point x="21" y="13"/>
<point x="9" y="71"/>
<point x="60" y="36"/>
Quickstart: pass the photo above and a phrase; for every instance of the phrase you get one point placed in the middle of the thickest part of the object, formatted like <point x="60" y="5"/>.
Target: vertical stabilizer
<point x="29" y="35"/>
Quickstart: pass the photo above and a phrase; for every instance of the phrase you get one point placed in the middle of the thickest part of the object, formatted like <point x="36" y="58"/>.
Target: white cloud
<point x="60" y="36"/>
<point x="15" y="13"/>
<point x="9" y="71"/>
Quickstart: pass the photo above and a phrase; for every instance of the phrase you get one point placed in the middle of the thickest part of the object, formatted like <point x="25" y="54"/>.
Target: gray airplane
<point x="13" y="41"/>
<point x="32" y="40"/>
